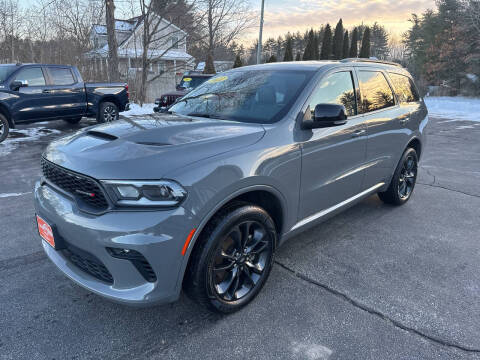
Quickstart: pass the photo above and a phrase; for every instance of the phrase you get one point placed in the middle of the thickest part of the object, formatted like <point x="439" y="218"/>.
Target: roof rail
<point x="370" y="61"/>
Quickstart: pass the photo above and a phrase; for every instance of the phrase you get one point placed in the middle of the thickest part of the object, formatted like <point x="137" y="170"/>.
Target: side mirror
<point x="326" y="115"/>
<point x="17" y="84"/>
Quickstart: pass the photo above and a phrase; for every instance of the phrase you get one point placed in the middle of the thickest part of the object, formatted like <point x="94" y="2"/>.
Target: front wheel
<point x="4" y="128"/>
<point x="107" y="112"/>
<point x="403" y="180"/>
<point x="233" y="260"/>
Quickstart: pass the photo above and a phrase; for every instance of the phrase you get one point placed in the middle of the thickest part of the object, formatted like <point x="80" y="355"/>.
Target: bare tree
<point x="113" y="74"/>
<point x="225" y="21"/>
<point x="10" y="24"/>
<point x="472" y="12"/>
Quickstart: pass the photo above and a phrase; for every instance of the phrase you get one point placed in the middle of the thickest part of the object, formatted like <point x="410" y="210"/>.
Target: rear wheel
<point x="233" y="260"/>
<point x="4" y="128"/>
<point x="403" y="180"/>
<point x="107" y="112"/>
<point x="73" y="121"/>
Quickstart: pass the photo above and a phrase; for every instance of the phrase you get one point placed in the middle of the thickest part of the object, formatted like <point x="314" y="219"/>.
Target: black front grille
<point x="88" y="263"/>
<point x="81" y="187"/>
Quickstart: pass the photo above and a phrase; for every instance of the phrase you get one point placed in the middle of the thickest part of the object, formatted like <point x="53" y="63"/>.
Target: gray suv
<point x="201" y="197"/>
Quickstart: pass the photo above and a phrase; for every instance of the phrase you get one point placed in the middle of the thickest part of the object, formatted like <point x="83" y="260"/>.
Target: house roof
<point x="120" y="25"/>
<point x="172" y="54"/>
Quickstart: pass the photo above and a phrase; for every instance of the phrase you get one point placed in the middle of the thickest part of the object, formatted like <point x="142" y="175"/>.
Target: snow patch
<point x="14" y="194"/>
<point x="136" y="109"/>
<point x="453" y="108"/>
<point x="17" y="137"/>
<point x="311" y="351"/>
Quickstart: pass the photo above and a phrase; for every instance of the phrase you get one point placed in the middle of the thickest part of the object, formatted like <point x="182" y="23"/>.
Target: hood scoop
<point x="101" y="135"/>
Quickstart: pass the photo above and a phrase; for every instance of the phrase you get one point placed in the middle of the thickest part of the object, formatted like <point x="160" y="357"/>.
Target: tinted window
<point x="34" y="76"/>
<point x="256" y="96"/>
<point x="61" y="76"/>
<point x="6" y="71"/>
<point x="376" y="93"/>
<point x="338" y="89"/>
<point x="404" y="88"/>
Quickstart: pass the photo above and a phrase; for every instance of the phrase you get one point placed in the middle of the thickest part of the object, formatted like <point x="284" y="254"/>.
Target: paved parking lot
<point x="375" y="282"/>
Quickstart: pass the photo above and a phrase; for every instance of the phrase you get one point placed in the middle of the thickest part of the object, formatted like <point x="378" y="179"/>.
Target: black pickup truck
<point x="35" y="92"/>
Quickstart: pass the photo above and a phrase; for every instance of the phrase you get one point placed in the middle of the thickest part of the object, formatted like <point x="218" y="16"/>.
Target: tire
<point x="403" y="181"/>
<point x="73" y="121"/>
<point x="220" y="278"/>
<point x="107" y="112"/>
<point x="4" y="128"/>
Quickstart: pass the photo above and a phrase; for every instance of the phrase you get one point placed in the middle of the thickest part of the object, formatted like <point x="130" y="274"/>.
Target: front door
<point x="33" y="99"/>
<point x="332" y="158"/>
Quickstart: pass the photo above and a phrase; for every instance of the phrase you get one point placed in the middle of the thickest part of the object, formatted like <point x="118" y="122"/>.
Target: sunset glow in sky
<point x="292" y="15"/>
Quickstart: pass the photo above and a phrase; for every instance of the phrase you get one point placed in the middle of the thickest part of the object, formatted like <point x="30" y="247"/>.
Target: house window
<point x="161" y="67"/>
<point x="174" y="42"/>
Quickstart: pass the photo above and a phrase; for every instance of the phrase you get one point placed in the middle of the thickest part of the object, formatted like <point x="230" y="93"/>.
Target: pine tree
<point x="353" y="53"/>
<point x="316" y="48"/>
<point x="338" y="41"/>
<point x="298" y="57"/>
<point x="272" y="59"/>
<point x="326" y="52"/>
<point x="238" y="62"/>
<point x="309" y="53"/>
<point x="346" y="43"/>
<point x="365" y="50"/>
<point x="379" y="42"/>
<point x="288" y="50"/>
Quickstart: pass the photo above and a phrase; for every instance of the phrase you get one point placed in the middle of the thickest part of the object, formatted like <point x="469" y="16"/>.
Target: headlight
<point x="163" y="193"/>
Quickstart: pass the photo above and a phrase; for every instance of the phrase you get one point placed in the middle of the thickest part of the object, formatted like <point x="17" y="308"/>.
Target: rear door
<point x="385" y="121"/>
<point x="332" y="158"/>
<point x="66" y="92"/>
<point x="33" y="100"/>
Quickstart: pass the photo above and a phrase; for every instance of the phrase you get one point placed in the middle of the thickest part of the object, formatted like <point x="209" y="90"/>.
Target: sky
<point x="282" y="16"/>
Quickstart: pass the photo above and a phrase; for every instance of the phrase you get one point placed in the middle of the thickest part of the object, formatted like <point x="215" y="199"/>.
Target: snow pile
<point x="453" y="108"/>
<point x="21" y="136"/>
<point x="136" y="109"/>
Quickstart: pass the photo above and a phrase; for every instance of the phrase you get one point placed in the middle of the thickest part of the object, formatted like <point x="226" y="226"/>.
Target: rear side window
<point x="61" y="76"/>
<point x="376" y="93"/>
<point x="336" y="88"/>
<point x="405" y="88"/>
<point x="34" y="76"/>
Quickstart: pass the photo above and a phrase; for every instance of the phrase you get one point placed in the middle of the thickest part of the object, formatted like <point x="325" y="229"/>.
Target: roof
<point x="120" y="25"/>
<point x="317" y="64"/>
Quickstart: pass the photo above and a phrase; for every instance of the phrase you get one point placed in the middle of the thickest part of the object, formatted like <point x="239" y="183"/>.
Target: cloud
<point x="292" y="15"/>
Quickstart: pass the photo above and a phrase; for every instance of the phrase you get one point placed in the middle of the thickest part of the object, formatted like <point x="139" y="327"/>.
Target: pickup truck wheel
<point x="403" y="180"/>
<point x="73" y="121"/>
<point x="233" y="259"/>
<point x="4" y="128"/>
<point x="107" y="112"/>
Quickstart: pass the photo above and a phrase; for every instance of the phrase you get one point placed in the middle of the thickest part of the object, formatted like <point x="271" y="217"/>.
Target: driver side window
<point x="336" y="88"/>
<point x="34" y="76"/>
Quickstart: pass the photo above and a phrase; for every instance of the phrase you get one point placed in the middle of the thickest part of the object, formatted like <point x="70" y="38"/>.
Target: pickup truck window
<point x="6" y="71"/>
<point x="33" y="75"/>
<point x="61" y="76"/>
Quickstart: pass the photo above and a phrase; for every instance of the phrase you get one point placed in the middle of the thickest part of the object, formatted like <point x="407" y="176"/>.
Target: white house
<point x="168" y="53"/>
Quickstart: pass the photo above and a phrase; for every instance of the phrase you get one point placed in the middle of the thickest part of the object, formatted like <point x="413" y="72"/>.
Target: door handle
<point x="46" y="91"/>
<point x="358" y="133"/>
<point x="405" y="120"/>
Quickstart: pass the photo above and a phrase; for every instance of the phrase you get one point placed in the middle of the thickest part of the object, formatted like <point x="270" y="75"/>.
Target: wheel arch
<point x="264" y="196"/>
<point x="108" y="98"/>
<point x="5" y="112"/>
<point x="416" y="144"/>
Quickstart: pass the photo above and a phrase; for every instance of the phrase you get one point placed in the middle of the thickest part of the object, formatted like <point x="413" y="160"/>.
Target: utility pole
<point x="259" y="47"/>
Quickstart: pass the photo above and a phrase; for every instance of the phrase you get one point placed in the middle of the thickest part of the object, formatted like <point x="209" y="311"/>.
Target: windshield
<point x="190" y="82"/>
<point x="6" y="71"/>
<point x="245" y="95"/>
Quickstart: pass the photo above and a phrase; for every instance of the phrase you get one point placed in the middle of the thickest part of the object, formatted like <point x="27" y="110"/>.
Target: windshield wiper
<point x="206" y="115"/>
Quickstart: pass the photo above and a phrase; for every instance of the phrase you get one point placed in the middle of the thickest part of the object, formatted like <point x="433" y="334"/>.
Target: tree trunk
<point x="113" y="74"/>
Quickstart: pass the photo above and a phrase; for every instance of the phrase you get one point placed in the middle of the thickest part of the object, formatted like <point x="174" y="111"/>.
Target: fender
<point x="212" y="212"/>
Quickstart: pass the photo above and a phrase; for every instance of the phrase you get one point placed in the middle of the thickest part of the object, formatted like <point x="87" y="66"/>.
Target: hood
<point x="148" y="147"/>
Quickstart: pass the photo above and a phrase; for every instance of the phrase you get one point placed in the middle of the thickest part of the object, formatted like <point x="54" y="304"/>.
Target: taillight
<point x="128" y="94"/>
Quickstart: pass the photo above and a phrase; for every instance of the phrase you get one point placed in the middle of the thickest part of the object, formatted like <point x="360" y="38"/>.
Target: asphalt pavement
<point x="375" y="282"/>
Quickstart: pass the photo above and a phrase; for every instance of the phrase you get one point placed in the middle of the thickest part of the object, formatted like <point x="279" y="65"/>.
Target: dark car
<point x="189" y="82"/>
<point x="137" y="209"/>
<point x="35" y="92"/>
